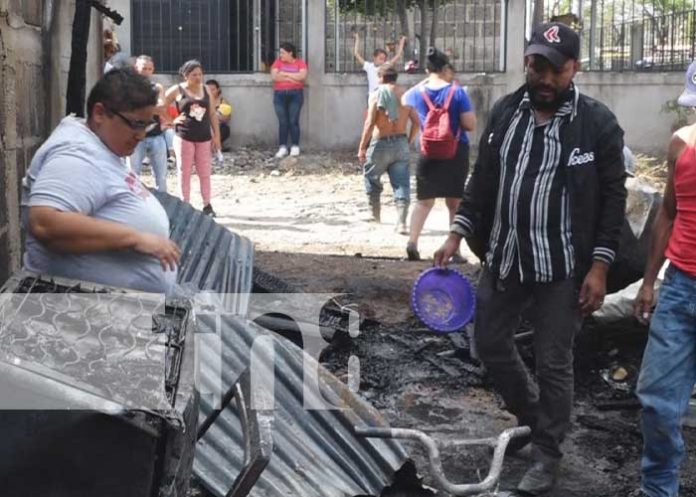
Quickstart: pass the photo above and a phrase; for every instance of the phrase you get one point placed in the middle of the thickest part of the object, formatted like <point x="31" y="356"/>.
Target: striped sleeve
<point x="462" y="226"/>
<point x="603" y="254"/>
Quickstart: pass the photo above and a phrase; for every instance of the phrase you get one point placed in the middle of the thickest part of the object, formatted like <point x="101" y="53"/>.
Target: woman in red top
<point x="289" y="74"/>
<point x="196" y="128"/>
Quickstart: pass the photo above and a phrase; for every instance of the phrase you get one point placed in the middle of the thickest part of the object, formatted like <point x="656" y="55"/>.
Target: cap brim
<point x="553" y="55"/>
<point x="687" y="99"/>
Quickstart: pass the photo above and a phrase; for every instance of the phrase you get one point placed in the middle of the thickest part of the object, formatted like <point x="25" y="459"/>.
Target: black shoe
<point x="412" y="252"/>
<point x="208" y="210"/>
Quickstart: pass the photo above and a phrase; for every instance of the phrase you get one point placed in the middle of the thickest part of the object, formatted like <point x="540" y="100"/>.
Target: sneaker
<point x="540" y="478"/>
<point x="282" y="152"/>
<point x="412" y="252"/>
<point x="208" y="210"/>
<point x="294" y="151"/>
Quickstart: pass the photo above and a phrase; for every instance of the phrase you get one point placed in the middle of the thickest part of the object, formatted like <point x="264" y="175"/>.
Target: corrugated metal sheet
<point x="316" y="453"/>
<point x="212" y="257"/>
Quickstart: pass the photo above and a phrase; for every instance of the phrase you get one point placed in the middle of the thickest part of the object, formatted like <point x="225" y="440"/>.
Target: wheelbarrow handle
<point x="499" y="443"/>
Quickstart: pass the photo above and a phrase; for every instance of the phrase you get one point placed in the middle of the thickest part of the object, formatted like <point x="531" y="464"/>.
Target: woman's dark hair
<point x="122" y="90"/>
<point x="289" y="47"/>
<point x="213" y="82"/>
<point x="436" y="60"/>
<point x="189" y="66"/>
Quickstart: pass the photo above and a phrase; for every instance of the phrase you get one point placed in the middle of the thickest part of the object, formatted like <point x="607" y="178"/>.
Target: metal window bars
<point x="630" y="35"/>
<point x="226" y="36"/>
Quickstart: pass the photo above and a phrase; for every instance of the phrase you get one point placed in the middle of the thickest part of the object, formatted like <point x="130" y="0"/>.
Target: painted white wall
<point x="637" y="100"/>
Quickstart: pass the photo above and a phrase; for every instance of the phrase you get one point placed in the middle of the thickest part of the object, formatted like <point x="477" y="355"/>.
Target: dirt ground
<point x="305" y="219"/>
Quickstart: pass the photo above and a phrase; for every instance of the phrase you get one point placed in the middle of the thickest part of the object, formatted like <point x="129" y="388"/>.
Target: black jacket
<point x="592" y="151"/>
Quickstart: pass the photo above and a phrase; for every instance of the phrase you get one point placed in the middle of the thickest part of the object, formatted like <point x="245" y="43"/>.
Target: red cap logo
<point x="551" y="35"/>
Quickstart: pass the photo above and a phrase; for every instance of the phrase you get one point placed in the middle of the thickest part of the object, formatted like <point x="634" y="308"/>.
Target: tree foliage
<point x="428" y="10"/>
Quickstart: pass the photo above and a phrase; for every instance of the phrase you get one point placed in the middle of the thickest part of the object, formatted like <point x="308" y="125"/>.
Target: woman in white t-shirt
<point x="85" y="213"/>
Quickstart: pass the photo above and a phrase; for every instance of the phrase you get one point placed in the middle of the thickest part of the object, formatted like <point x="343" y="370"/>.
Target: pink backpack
<point x="437" y="140"/>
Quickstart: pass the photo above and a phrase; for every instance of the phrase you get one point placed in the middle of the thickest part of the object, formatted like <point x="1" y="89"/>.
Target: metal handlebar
<point x="499" y="443"/>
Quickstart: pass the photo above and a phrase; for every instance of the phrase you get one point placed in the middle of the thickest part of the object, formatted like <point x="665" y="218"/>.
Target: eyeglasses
<point x="136" y="124"/>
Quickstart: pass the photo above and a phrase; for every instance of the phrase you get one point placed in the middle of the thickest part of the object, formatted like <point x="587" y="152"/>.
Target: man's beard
<point x="553" y="104"/>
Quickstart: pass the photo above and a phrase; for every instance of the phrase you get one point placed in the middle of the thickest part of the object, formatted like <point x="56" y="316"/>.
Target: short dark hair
<point x="213" y="82"/>
<point x="379" y="51"/>
<point x="388" y="73"/>
<point x="190" y="66"/>
<point x="436" y="60"/>
<point x="289" y="47"/>
<point x="122" y="90"/>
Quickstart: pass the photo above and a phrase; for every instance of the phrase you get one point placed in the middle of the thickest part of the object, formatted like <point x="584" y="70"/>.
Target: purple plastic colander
<point x="443" y="299"/>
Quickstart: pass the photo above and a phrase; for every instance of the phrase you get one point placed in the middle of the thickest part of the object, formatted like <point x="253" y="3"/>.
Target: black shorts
<point x="442" y="178"/>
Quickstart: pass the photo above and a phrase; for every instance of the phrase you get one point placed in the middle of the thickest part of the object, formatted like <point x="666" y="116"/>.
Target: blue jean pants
<point x="288" y="104"/>
<point x="156" y="148"/>
<point x="666" y="380"/>
<point x="390" y="155"/>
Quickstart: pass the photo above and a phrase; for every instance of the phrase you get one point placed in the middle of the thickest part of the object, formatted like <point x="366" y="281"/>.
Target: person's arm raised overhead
<point x="356" y="49"/>
<point x="399" y="51"/>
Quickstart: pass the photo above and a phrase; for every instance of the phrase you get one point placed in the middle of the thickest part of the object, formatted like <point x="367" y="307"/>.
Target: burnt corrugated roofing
<point x="316" y="453"/>
<point x="212" y="258"/>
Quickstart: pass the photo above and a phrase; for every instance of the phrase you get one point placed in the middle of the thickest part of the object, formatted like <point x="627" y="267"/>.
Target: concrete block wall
<point x="27" y="111"/>
<point x="21" y="123"/>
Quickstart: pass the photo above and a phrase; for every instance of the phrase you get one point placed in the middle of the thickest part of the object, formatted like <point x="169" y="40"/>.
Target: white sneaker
<point x="282" y="152"/>
<point x="294" y="151"/>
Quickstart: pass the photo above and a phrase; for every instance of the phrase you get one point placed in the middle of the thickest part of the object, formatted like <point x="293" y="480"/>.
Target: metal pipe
<point x="500" y="444"/>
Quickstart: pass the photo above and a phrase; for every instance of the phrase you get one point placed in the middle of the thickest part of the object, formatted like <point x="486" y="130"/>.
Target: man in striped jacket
<point x="543" y="210"/>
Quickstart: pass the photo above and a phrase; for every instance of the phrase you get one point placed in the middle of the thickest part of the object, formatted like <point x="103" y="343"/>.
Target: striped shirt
<point x="532" y="226"/>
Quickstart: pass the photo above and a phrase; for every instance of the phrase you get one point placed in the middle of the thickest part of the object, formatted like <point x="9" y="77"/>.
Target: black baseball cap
<point x="556" y="42"/>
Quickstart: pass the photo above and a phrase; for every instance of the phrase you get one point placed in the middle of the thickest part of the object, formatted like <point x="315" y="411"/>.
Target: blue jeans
<point x="390" y="155"/>
<point x="288" y="104"/>
<point x="666" y="380"/>
<point x="156" y="148"/>
<point x="169" y="135"/>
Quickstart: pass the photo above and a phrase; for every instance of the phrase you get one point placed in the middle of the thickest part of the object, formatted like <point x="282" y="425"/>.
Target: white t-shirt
<point x="74" y="171"/>
<point x="372" y="79"/>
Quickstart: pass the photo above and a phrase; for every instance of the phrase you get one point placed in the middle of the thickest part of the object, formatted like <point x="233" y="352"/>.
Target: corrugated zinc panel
<point x="315" y="452"/>
<point x="213" y="258"/>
